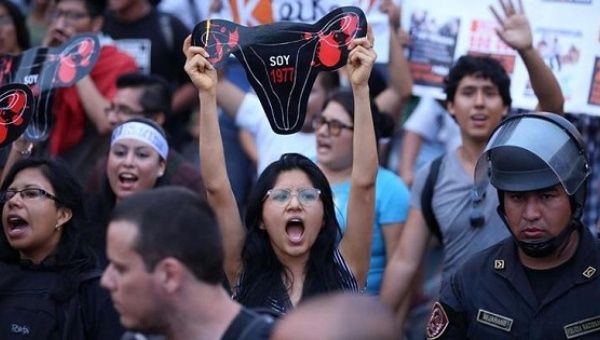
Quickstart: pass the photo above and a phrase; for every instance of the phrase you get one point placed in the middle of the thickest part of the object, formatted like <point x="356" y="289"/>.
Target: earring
<point x="57" y="227"/>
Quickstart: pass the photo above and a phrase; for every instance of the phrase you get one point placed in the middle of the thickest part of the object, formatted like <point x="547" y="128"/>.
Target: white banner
<point x="566" y="33"/>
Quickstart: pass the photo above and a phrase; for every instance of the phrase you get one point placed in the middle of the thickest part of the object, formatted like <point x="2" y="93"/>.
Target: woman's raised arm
<point x="212" y="161"/>
<point x="356" y="243"/>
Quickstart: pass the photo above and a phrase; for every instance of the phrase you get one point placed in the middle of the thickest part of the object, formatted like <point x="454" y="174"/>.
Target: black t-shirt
<point x="155" y="42"/>
<point x="542" y="281"/>
<point x="249" y="325"/>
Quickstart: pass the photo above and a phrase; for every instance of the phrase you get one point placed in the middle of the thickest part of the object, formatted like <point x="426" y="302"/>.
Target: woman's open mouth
<point x="295" y="230"/>
<point x="16" y="226"/>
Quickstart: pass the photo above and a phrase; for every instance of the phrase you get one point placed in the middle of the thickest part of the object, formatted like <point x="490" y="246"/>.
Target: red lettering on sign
<point x="282" y="75"/>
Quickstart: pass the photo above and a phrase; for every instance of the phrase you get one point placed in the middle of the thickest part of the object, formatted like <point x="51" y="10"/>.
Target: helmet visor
<point x="527" y="140"/>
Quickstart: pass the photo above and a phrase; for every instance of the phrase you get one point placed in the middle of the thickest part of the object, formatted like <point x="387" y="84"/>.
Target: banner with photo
<point x="565" y="32"/>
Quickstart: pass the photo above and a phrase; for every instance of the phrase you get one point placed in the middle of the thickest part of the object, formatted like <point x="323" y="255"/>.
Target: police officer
<point x="541" y="283"/>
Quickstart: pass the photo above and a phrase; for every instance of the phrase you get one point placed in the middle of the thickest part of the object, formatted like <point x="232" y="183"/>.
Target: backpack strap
<point x="427" y="197"/>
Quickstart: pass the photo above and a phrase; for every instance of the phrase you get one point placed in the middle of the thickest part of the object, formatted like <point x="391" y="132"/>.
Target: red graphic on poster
<point x="483" y="41"/>
<point x="45" y="69"/>
<point x="15" y="111"/>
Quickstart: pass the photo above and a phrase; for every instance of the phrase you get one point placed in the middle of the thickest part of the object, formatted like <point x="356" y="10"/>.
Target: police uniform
<point x="490" y="297"/>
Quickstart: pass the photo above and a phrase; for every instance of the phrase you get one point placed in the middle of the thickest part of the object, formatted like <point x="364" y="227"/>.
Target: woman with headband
<point x="136" y="162"/>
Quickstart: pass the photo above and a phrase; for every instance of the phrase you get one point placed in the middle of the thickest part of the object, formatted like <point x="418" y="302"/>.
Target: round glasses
<point x="334" y="126"/>
<point x="28" y="194"/>
<point x="306" y="196"/>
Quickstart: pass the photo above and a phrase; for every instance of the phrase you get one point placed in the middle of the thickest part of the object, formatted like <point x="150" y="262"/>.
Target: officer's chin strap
<point x="545" y="247"/>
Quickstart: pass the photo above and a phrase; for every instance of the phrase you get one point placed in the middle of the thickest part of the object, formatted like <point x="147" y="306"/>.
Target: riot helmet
<point x="534" y="151"/>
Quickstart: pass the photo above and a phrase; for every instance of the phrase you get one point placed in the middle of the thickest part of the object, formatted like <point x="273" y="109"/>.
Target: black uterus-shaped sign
<point x="15" y="111"/>
<point x="44" y="69"/>
<point x="282" y="60"/>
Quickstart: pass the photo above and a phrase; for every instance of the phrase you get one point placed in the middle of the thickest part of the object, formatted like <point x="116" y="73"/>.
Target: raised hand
<point x="361" y="59"/>
<point x="215" y="6"/>
<point x="56" y="36"/>
<point x="514" y="27"/>
<point x="199" y="69"/>
<point x="393" y="11"/>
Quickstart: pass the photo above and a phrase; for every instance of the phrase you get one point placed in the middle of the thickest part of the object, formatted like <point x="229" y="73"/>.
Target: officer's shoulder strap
<point x="427" y="196"/>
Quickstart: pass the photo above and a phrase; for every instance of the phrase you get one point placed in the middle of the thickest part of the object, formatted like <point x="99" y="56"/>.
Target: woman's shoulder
<point x="386" y="176"/>
<point x="389" y="183"/>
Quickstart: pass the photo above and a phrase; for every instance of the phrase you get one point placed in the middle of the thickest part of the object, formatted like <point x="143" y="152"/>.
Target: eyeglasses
<point x="28" y="194"/>
<point x="70" y="16"/>
<point x="333" y="126"/>
<point x="306" y="196"/>
<point x="124" y="110"/>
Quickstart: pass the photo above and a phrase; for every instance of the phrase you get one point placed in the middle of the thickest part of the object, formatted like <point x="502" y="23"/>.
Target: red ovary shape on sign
<point x="349" y="26"/>
<point x="12" y="113"/>
<point x="329" y="53"/>
<point x="234" y="37"/>
<point x="67" y="68"/>
<point x="329" y="49"/>
<point x="223" y="48"/>
<point x="86" y="48"/>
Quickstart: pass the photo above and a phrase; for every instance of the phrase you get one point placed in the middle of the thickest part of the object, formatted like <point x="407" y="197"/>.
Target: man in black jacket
<point x="166" y="269"/>
<point x="535" y="284"/>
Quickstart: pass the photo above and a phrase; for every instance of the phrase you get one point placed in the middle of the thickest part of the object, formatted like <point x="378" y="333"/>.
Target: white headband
<point x="144" y="133"/>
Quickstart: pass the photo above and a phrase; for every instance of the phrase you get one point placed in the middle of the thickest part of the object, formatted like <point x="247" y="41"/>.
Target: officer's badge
<point x="589" y="272"/>
<point x="499" y="264"/>
<point x="583" y="327"/>
<point x="495" y="320"/>
<point x="438" y="322"/>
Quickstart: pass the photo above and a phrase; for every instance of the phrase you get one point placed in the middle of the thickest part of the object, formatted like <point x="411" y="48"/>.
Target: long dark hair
<point x="72" y="255"/>
<point x="383" y="123"/>
<point x="262" y="270"/>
